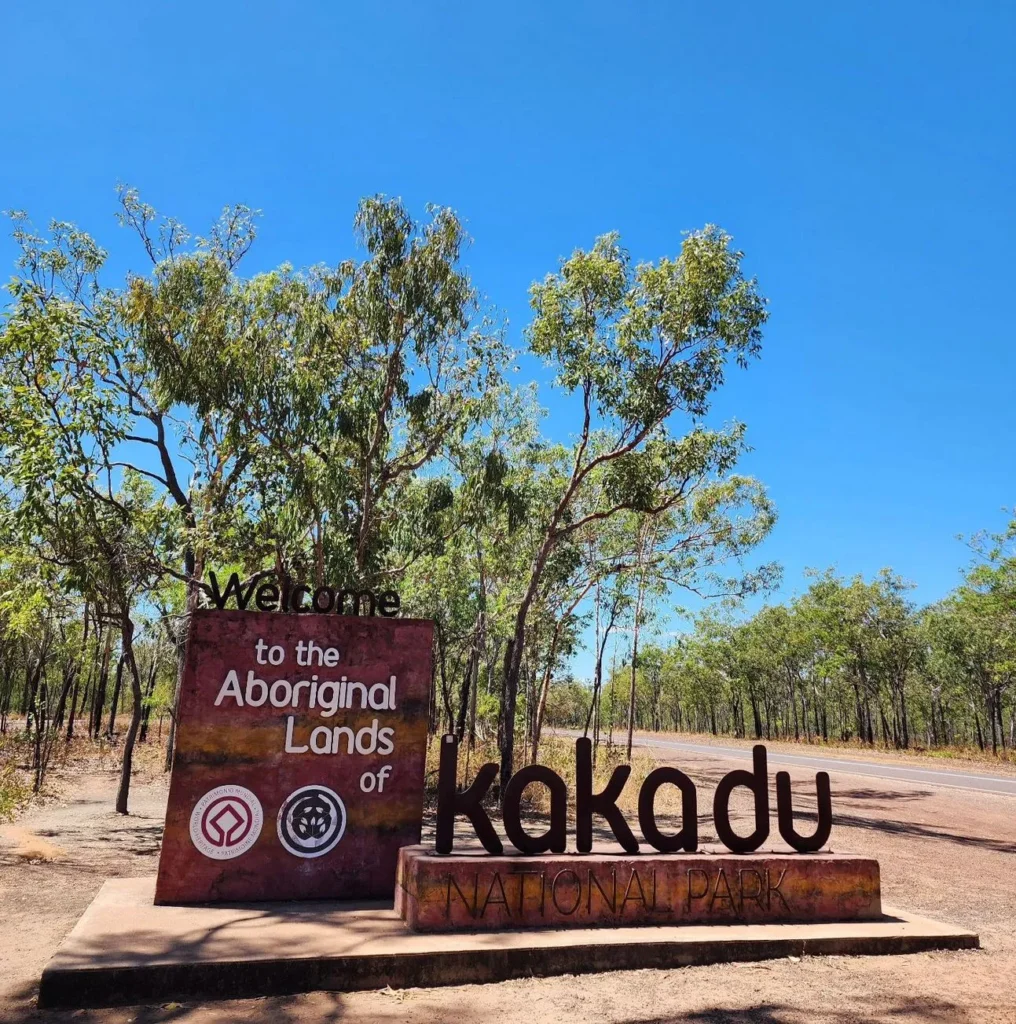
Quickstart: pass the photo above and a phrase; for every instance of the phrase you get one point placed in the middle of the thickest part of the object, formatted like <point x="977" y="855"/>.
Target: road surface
<point x="955" y="779"/>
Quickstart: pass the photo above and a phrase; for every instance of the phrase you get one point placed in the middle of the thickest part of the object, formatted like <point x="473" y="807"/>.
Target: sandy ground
<point x="945" y="853"/>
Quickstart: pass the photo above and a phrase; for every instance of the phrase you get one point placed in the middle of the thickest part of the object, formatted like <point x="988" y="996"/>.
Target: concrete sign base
<point x="125" y="950"/>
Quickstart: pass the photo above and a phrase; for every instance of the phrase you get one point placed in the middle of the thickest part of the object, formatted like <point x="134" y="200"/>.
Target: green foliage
<point x="567" y="703"/>
<point x="353" y="423"/>
<point x="847" y="661"/>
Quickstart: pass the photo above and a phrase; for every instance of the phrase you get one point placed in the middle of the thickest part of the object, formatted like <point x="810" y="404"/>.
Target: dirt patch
<point x="26" y="846"/>
<point x="56" y="856"/>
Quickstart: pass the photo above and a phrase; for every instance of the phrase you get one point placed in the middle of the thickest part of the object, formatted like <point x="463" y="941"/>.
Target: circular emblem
<point x="226" y="822"/>
<point x="311" y="822"/>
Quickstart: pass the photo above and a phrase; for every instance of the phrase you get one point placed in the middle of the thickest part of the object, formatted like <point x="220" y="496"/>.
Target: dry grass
<point x="30" y="848"/>
<point x="15" y="790"/>
<point x="15" y="782"/>
<point x="68" y="761"/>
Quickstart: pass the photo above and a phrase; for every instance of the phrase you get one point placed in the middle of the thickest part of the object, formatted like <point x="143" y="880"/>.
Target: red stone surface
<point x="478" y="892"/>
<point x="244" y="747"/>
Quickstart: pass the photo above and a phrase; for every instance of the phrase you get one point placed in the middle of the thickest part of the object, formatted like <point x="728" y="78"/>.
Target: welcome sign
<point x="299" y="762"/>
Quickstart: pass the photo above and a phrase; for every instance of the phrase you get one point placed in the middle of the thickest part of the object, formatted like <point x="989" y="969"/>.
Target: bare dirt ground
<point x="944" y="853"/>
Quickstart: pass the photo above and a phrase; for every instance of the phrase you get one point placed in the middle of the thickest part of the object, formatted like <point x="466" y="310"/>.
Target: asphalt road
<point x="977" y="781"/>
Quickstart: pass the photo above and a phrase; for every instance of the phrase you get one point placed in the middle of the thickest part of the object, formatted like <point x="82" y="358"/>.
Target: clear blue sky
<point x="861" y="154"/>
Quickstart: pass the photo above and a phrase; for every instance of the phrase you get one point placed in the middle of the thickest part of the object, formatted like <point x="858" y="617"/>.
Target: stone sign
<point x="476" y="891"/>
<point x="544" y="886"/>
<point x="299" y="763"/>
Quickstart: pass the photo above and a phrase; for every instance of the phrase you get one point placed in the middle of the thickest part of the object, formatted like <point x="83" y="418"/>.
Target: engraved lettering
<point x="502" y="902"/>
<point x="522" y="875"/>
<point x="471" y="908"/>
<point x="641" y="896"/>
<point x="578" y="891"/>
<point x="725" y="895"/>
<point x="745" y="895"/>
<point x="772" y="890"/>
<point x="696" y="895"/>
<point x="662" y="908"/>
<point x="612" y="900"/>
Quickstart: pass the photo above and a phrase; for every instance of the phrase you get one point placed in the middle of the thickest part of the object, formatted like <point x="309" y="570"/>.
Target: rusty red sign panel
<point x="299" y="760"/>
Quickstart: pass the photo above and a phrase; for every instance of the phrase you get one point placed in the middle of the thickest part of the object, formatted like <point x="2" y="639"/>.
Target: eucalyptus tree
<point x="898" y="651"/>
<point x="570" y="579"/>
<point x="973" y="633"/>
<point x="141" y="377"/>
<point x="729" y="651"/>
<point x="691" y="673"/>
<point x="789" y="647"/>
<point x="288" y="421"/>
<point x="611" y="602"/>
<point x="685" y="547"/>
<point x="872" y="630"/>
<point x="646" y="531"/>
<point x="363" y="377"/>
<point x="637" y="347"/>
<point x="993" y="579"/>
<point x="31" y="611"/>
<point x="953" y="695"/>
<point x="73" y="504"/>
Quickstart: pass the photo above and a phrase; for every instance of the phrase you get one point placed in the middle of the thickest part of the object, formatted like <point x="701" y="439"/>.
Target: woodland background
<point x="358" y="425"/>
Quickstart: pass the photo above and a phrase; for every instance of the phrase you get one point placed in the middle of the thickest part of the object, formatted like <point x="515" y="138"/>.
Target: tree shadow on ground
<point x="329" y="1008"/>
<point x="863" y="1011"/>
<point x="881" y="795"/>
<point x="914" y="829"/>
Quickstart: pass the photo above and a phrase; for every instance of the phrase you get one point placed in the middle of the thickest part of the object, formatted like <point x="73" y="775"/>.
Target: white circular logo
<point x="311" y="822"/>
<point x="226" y="822"/>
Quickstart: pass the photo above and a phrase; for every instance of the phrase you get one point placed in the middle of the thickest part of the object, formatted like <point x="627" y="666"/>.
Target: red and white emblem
<point x="226" y="822"/>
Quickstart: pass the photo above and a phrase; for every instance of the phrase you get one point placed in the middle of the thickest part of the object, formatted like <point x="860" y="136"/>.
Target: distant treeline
<point x="63" y="677"/>
<point x="849" y="660"/>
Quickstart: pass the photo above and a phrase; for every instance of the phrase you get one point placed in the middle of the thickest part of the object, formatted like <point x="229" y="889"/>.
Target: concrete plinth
<point x="473" y="891"/>
<point x="126" y="950"/>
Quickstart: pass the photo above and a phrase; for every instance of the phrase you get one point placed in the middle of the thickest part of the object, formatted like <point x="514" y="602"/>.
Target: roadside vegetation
<point x="358" y="425"/>
<point x="849" y="662"/>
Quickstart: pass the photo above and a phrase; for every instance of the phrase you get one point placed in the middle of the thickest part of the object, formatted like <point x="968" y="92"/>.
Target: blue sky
<point x="862" y="155"/>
